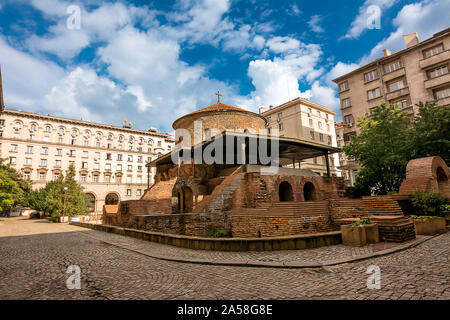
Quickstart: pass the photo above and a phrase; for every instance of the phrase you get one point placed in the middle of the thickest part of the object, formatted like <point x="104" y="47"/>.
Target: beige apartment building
<point x="420" y="72"/>
<point x="109" y="160"/>
<point x="306" y="120"/>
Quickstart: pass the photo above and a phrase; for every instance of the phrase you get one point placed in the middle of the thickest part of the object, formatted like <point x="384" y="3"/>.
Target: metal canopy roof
<point x="290" y="149"/>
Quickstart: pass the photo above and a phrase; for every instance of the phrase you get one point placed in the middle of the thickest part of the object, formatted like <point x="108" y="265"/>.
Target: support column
<point x="327" y="162"/>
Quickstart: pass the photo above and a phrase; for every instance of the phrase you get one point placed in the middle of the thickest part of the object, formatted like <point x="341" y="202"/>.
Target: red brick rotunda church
<point x="240" y="193"/>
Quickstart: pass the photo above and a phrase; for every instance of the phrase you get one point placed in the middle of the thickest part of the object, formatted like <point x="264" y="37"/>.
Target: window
<point x="433" y="51"/>
<point x="108" y="167"/>
<point x="436" y="72"/>
<point x="311" y="134"/>
<point x="32" y="137"/>
<point x="86" y="143"/>
<point x="12" y="160"/>
<point x="346" y="103"/>
<point x="59" y="152"/>
<point x="119" y="167"/>
<point x="74" y="142"/>
<point x="16" y="135"/>
<point x="46" y="139"/>
<point x="109" y="145"/>
<point x="131" y="139"/>
<point x="33" y="127"/>
<point x="370" y="76"/>
<point x="400" y="104"/>
<point x="280" y="126"/>
<point x="120" y="138"/>
<point x="83" y="178"/>
<point x="60" y="140"/>
<point x="392" y="67"/>
<point x="320" y="124"/>
<point x="328" y="127"/>
<point x="348" y="119"/>
<point x="110" y="136"/>
<point x="310" y="122"/>
<point x="14" y="148"/>
<point x="442" y="93"/>
<point x="97" y="156"/>
<point x="129" y="179"/>
<point x="2" y="122"/>
<point x="130" y="158"/>
<point x="280" y="116"/>
<point x="119" y="178"/>
<point x="98" y="135"/>
<point x="17" y="126"/>
<point x="140" y="159"/>
<point x="396" y="85"/>
<point x="372" y="94"/>
<point x="108" y="156"/>
<point x="48" y="129"/>
<point x="72" y="153"/>
<point x="72" y="164"/>
<point x="26" y="175"/>
<point x="55" y="176"/>
<point x="329" y="140"/>
<point x="128" y="192"/>
<point x="41" y="176"/>
<point x="28" y="161"/>
<point x="74" y="133"/>
<point x="97" y="144"/>
<point x="119" y="157"/>
<point x="269" y="120"/>
<point x="85" y="154"/>
<point x="96" y="166"/>
<point x="44" y="150"/>
<point x="321" y="137"/>
<point x="61" y="131"/>
<point x="58" y="163"/>
<point x="130" y="148"/>
<point x="130" y="168"/>
<point x="84" y="165"/>
<point x="108" y="178"/>
<point x="139" y="179"/>
<point x="43" y="162"/>
<point x="140" y="168"/>
<point x="343" y="86"/>
<point x="95" y="178"/>
<point x="139" y="192"/>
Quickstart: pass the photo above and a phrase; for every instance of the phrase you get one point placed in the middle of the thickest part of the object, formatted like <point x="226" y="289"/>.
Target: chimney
<point x="386" y="52"/>
<point x="411" y="39"/>
<point x="2" y="105"/>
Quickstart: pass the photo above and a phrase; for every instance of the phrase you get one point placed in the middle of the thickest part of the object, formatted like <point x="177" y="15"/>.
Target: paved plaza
<point x="35" y="255"/>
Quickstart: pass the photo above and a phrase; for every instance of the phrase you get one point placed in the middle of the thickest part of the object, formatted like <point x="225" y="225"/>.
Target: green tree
<point x="431" y="131"/>
<point x="13" y="188"/>
<point x="50" y="199"/>
<point x="382" y="148"/>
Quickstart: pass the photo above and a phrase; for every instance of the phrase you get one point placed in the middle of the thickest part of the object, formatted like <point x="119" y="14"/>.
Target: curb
<point x="273" y="264"/>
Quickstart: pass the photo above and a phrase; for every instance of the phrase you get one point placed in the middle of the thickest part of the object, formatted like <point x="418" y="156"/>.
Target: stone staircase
<point x="287" y="209"/>
<point x="384" y="210"/>
<point x="221" y="198"/>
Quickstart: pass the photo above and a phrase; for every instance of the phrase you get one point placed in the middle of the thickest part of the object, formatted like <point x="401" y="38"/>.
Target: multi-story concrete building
<point x="303" y="119"/>
<point x="109" y="160"/>
<point x="348" y="175"/>
<point x="420" y="72"/>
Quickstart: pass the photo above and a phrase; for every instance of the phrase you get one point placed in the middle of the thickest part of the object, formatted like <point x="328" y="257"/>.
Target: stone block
<point x="430" y="226"/>
<point x="353" y="236"/>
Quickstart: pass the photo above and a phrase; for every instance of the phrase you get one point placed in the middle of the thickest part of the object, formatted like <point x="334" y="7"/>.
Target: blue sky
<point x="153" y="61"/>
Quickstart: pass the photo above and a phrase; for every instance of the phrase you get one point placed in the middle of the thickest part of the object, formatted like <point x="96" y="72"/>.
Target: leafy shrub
<point x="362" y="222"/>
<point x="445" y="207"/>
<point x="218" y="234"/>
<point x="427" y="203"/>
<point x="412" y="216"/>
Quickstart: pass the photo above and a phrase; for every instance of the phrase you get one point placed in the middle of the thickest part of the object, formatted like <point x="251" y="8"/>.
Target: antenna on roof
<point x="2" y="105"/>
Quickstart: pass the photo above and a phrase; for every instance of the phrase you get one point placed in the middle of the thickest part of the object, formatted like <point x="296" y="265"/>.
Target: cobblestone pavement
<point x="35" y="254"/>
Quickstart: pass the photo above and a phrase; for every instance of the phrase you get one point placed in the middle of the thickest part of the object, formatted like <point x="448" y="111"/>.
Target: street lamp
<point x="64" y="210"/>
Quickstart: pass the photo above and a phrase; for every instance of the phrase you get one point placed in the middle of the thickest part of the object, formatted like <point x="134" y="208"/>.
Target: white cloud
<point x="283" y="44"/>
<point x="314" y="23"/>
<point x="425" y="18"/>
<point x="359" y="25"/>
<point x="325" y="96"/>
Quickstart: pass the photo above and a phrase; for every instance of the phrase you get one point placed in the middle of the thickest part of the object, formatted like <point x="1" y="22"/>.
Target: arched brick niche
<point x="430" y="173"/>
<point x="309" y="190"/>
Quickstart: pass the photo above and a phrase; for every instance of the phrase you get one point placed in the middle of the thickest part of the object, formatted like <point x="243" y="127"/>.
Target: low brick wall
<point x="226" y="244"/>
<point x="254" y="226"/>
<point x="190" y="224"/>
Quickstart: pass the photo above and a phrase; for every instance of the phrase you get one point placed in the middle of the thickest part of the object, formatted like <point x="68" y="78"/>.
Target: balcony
<point x="397" y="93"/>
<point x="394" y="74"/>
<point x="444" y="102"/>
<point x="431" y="83"/>
<point x="438" y="58"/>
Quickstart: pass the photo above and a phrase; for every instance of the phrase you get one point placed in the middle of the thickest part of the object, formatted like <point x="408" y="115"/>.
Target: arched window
<point x="33" y="127"/>
<point x="48" y="129"/>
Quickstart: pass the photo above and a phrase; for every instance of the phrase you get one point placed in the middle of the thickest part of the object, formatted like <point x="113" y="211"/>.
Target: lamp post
<point x="64" y="209"/>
